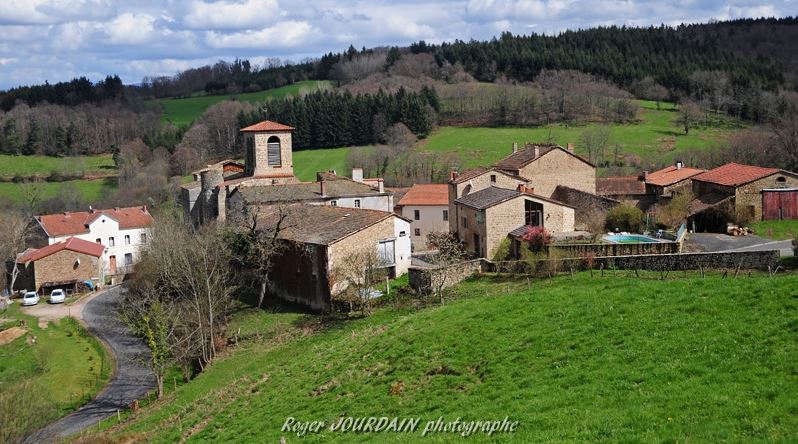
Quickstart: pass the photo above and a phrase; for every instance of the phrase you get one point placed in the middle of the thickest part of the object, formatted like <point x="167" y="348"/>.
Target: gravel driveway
<point x="132" y="378"/>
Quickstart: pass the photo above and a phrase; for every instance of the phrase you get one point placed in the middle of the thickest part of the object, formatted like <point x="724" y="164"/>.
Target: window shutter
<point x="273" y="150"/>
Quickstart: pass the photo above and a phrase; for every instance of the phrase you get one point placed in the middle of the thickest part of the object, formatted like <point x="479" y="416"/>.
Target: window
<point x="416" y="215"/>
<point x="111" y="242"/>
<point x="99" y="241"/>
<point x="418" y="231"/>
<point x="333" y="203"/>
<point x="781" y="179"/>
<point x="445" y="215"/>
<point x="533" y="213"/>
<point x="480" y="218"/>
<point x="465" y="222"/>
<point x="385" y="251"/>
<point x="273" y="151"/>
<point x="143" y="238"/>
<point x="402" y="234"/>
<point x="493" y="178"/>
<point x="357" y="203"/>
<point x="129" y="259"/>
<point x="127" y="239"/>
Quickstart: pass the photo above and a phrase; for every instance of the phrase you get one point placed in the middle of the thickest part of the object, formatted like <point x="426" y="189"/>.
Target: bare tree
<point x="689" y="113"/>
<point x="449" y="251"/>
<point x="17" y="232"/>
<point x="595" y="141"/>
<point x="358" y="273"/>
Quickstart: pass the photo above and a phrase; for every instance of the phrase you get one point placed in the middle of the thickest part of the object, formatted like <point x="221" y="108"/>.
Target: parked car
<point x="30" y="298"/>
<point x="57" y="296"/>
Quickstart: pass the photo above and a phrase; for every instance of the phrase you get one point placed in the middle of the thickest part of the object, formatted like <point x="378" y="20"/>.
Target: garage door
<point x="780" y="204"/>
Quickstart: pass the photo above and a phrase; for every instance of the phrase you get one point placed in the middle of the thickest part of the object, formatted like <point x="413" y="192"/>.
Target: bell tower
<point x="268" y="151"/>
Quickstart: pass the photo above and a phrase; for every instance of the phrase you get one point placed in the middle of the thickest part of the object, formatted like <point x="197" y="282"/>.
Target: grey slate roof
<point x="306" y="191"/>
<point x="323" y="225"/>
<point x="488" y="197"/>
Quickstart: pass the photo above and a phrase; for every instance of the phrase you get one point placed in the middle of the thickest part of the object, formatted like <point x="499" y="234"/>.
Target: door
<point x="112" y="264"/>
<point x="477" y="246"/>
<point x="779" y="205"/>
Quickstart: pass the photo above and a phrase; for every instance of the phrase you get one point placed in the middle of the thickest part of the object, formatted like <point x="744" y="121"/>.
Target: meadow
<point x="42" y="166"/>
<point x="572" y="359"/>
<point x="776" y="229"/>
<point x="91" y="190"/>
<point x="63" y="370"/>
<point x="184" y="111"/>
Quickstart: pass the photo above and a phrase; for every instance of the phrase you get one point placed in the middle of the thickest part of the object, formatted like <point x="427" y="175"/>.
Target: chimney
<point x="66" y="213"/>
<point x="381" y="185"/>
<point x="521" y="188"/>
<point x="644" y="176"/>
<point x="537" y="151"/>
<point x="357" y="174"/>
<point x="679" y="164"/>
<point x="323" y="187"/>
<point x="453" y="175"/>
<point x="144" y="208"/>
<point x="570" y="147"/>
<point x="91" y="210"/>
<point x="515" y="147"/>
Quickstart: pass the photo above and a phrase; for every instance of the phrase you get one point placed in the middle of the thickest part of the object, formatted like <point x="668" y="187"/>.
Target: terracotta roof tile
<point x="671" y="175"/>
<point x="267" y="125"/>
<point x="72" y="244"/>
<point x="734" y="174"/>
<point x="426" y="194"/>
<point x="63" y="224"/>
<point x="620" y="186"/>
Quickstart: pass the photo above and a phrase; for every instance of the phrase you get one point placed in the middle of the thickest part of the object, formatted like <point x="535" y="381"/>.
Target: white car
<point x="30" y="298"/>
<point x="57" y="297"/>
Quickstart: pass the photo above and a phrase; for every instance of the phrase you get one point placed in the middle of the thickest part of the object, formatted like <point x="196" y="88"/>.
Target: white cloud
<point x="130" y="29"/>
<point x="231" y="15"/>
<point x="54" y="11"/>
<point x="287" y="34"/>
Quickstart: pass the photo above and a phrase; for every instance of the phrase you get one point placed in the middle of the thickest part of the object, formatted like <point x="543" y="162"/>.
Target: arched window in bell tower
<point x="273" y="151"/>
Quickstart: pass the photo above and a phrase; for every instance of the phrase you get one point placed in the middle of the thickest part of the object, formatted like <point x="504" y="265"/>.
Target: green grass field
<point x="776" y="229"/>
<point x="63" y="370"/>
<point x="656" y="136"/>
<point x="308" y="162"/>
<point x="575" y="359"/>
<point x="90" y="190"/>
<point x="42" y="166"/>
<point x="184" y="111"/>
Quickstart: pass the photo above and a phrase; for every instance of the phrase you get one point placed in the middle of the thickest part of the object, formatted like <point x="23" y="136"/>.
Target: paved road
<point x="131" y="380"/>
<point x="723" y="242"/>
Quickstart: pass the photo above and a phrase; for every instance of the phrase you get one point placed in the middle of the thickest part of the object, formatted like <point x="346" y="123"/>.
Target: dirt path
<point x="132" y="378"/>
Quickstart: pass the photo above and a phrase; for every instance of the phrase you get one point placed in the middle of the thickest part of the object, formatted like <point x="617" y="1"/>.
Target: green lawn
<point x="42" y="166"/>
<point x="64" y="369"/>
<point x="656" y="136"/>
<point x="776" y="229"/>
<point x="91" y="190"/>
<point x="573" y="360"/>
<point x="308" y="162"/>
<point x="184" y="111"/>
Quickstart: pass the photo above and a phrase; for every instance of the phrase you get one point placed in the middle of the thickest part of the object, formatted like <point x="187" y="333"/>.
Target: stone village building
<point x="65" y="264"/>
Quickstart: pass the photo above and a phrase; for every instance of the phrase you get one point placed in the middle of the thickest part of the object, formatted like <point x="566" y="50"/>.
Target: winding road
<point x="131" y="380"/>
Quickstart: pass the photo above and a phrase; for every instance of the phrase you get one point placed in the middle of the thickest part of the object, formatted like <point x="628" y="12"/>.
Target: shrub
<point x="626" y="218"/>
<point x="537" y="238"/>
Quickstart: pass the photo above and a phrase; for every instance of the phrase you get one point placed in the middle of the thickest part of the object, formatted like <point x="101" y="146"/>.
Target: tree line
<point x="325" y="119"/>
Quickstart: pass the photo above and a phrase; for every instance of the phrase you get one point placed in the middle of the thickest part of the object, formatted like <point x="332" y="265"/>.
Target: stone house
<point x="477" y="179"/>
<point x="486" y="217"/>
<point x="670" y="180"/>
<point x="64" y="264"/>
<point x="630" y="190"/>
<point x="223" y="190"/>
<point x="318" y="241"/>
<point x="546" y="166"/>
<point x="121" y="231"/>
<point x="427" y="208"/>
<point x="745" y="186"/>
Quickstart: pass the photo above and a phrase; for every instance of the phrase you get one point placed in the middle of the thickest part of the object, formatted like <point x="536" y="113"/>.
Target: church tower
<point x="268" y="151"/>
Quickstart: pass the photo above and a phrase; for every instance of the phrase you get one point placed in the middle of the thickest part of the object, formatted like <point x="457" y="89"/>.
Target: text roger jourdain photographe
<point x="384" y="424"/>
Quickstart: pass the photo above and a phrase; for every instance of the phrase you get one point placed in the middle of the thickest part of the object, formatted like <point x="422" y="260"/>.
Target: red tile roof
<point x="620" y="186"/>
<point x="72" y="244"/>
<point x="67" y="223"/>
<point x="426" y="194"/>
<point x="267" y="125"/>
<point x="671" y="175"/>
<point x="734" y="174"/>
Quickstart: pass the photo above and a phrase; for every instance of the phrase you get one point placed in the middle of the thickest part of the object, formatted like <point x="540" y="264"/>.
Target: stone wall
<point x="610" y="249"/>
<point x="558" y="167"/>
<point x="66" y="265"/>
<point x="587" y="205"/>
<point x="420" y="277"/>
<point x="475" y="184"/>
<point x="748" y="197"/>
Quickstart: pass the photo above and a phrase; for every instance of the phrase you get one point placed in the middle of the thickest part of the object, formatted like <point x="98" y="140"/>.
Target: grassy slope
<point x="574" y="360"/>
<point x="776" y="229"/>
<point x="655" y="135"/>
<point x="66" y="366"/>
<point x="44" y="165"/>
<point x="91" y="190"/>
<point x="184" y="111"/>
<point x="308" y="162"/>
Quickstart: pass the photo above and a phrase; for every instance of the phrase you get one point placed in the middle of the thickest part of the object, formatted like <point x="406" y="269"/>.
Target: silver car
<point x="57" y="297"/>
<point x="30" y="298"/>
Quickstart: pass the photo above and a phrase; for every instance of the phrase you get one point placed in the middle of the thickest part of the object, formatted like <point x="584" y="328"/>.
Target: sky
<point x="57" y="40"/>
